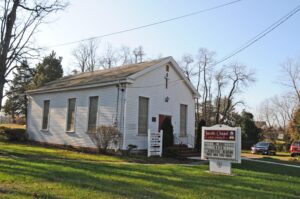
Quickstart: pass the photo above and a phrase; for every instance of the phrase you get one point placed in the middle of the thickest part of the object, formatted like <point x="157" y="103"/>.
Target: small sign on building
<point x="221" y="145"/>
<point x="155" y="143"/>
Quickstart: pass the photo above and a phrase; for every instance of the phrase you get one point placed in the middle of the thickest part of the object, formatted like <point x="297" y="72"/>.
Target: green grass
<point x="280" y="157"/>
<point x="28" y="171"/>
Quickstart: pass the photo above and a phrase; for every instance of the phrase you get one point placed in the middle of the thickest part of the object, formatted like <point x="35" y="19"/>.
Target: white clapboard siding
<point x="152" y="85"/>
<point x="58" y="114"/>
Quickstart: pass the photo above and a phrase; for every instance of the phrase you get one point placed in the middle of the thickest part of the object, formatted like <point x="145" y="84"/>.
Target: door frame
<point x="161" y="118"/>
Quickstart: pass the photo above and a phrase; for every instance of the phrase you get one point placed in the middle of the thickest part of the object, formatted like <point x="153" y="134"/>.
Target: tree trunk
<point x="11" y="18"/>
<point x="2" y="82"/>
<point x="218" y="105"/>
<point x="205" y="91"/>
<point x="198" y="87"/>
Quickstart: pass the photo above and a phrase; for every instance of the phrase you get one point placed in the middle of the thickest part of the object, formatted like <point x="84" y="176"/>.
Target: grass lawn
<point x="28" y="171"/>
<point x="281" y="157"/>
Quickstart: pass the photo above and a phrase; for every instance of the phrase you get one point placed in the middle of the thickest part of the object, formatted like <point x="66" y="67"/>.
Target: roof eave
<point x="197" y="95"/>
<point x="38" y="91"/>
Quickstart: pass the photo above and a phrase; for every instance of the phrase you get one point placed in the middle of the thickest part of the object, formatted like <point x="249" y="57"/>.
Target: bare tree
<point x="19" y="22"/>
<point x="86" y="55"/>
<point x="221" y="81"/>
<point x="284" y="106"/>
<point x="266" y="112"/>
<point x="291" y="77"/>
<point x="186" y="65"/>
<point x="238" y="77"/>
<point x="277" y="111"/>
<point x="205" y="60"/>
<point x="138" y="54"/>
<point x="209" y="102"/>
<point x="200" y="74"/>
<point x="109" y="57"/>
<point x="125" y="55"/>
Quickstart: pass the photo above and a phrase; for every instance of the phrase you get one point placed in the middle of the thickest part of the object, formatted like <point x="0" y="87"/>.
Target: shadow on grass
<point x="119" y="180"/>
<point x="293" y="161"/>
<point x="141" y="181"/>
<point x="35" y="151"/>
<point x="268" y="168"/>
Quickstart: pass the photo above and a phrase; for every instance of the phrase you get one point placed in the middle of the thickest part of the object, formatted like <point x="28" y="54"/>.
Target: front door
<point x="161" y="120"/>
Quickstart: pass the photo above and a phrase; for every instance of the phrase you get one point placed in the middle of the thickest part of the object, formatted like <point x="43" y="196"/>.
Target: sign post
<point x="155" y="143"/>
<point x="221" y="145"/>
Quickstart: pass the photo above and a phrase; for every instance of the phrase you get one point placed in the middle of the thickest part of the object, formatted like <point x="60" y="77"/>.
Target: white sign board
<point x="155" y="143"/>
<point x="221" y="145"/>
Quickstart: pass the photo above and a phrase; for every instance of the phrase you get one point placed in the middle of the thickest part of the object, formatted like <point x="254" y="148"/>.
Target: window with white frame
<point x="143" y="115"/>
<point x="183" y="119"/>
<point x="71" y="115"/>
<point x="93" y="112"/>
<point x="45" y="119"/>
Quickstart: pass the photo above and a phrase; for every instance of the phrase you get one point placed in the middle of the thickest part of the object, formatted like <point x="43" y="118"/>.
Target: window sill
<point x="182" y="136"/>
<point x="45" y="130"/>
<point x="70" y="131"/>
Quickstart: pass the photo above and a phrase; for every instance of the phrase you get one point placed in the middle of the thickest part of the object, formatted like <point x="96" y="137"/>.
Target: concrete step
<point x="189" y="152"/>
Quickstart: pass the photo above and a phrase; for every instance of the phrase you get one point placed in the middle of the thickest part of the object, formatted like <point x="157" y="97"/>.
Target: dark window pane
<point x="183" y="119"/>
<point x="71" y="114"/>
<point x="143" y="115"/>
<point x="46" y="115"/>
<point x="93" y="111"/>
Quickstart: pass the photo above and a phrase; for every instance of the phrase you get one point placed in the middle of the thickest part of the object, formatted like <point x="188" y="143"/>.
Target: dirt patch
<point x="3" y="191"/>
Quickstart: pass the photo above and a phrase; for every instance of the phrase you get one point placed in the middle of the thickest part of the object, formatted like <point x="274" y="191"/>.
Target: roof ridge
<point x="104" y="74"/>
<point x="99" y="71"/>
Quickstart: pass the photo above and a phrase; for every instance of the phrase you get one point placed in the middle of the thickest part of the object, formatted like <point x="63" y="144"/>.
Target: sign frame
<point x="219" y="137"/>
<point x="155" y="141"/>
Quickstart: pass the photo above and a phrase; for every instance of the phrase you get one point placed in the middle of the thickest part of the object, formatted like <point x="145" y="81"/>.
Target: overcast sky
<point x="221" y="30"/>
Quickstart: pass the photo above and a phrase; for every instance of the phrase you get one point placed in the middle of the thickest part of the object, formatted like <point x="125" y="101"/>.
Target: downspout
<point x="124" y="102"/>
<point x="28" y="112"/>
<point x="116" y="124"/>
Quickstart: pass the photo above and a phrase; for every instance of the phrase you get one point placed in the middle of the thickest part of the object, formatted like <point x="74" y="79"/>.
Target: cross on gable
<point x="167" y="79"/>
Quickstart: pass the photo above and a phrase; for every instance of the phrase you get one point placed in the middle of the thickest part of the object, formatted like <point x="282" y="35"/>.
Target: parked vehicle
<point x="295" y="149"/>
<point x="265" y="148"/>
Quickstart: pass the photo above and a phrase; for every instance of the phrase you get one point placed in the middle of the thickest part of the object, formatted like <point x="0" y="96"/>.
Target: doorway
<point x="162" y="119"/>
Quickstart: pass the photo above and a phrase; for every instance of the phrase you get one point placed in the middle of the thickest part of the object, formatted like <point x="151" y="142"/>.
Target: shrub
<point x="168" y="137"/>
<point x="282" y="147"/>
<point x="2" y="129"/>
<point x="15" y="134"/>
<point x="201" y="124"/>
<point x="130" y="147"/>
<point x="105" y="136"/>
<point x="172" y="151"/>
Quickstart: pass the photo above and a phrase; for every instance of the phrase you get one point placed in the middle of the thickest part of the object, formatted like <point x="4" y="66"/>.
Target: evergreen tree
<point x="48" y="70"/>
<point x="168" y="136"/>
<point x="9" y="107"/>
<point x="16" y="103"/>
<point x="250" y="133"/>
<point x="201" y="124"/>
